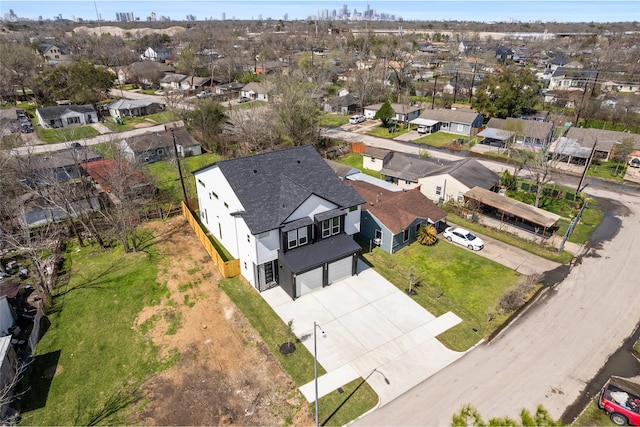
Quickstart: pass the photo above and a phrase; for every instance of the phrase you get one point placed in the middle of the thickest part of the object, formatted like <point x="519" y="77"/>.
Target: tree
<point x="621" y="151"/>
<point x="207" y="121"/>
<point x="539" y="166"/>
<point x="253" y="130"/>
<point x="427" y="235"/>
<point x="145" y="72"/>
<point x="508" y="93"/>
<point x="469" y="416"/>
<point x="19" y="66"/>
<point x="80" y="83"/>
<point x="297" y="112"/>
<point x="385" y="113"/>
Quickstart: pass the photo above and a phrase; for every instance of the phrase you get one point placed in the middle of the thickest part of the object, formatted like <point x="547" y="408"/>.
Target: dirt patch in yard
<point x="224" y="375"/>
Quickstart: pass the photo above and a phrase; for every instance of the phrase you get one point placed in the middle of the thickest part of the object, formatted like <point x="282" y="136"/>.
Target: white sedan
<point x="463" y="237"/>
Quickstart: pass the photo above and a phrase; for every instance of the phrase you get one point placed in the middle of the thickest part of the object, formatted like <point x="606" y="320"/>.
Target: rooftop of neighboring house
<point x="397" y="210"/>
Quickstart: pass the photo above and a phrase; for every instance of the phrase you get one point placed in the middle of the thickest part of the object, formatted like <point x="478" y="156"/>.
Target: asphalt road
<point x="551" y="353"/>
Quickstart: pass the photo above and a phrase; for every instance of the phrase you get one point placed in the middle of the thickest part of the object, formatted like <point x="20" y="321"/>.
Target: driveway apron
<point x="373" y="330"/>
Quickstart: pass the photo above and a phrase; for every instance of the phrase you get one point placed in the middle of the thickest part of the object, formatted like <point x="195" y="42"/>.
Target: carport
<point x="495" y="137"/>
<point x="432" y="125"/>
<point x="514" y="212"/>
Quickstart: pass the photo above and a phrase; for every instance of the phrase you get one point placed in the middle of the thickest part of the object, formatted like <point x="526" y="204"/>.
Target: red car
<point x="620" y="398"/>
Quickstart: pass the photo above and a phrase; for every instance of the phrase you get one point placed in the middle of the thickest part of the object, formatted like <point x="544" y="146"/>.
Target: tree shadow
<point x="37" y="382"/>
<point x="122" y="398"/>
<point x="94" y="281"/>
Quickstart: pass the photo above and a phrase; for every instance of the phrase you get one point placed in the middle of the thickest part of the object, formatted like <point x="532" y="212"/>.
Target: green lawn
<point x="451" y="279"/>
<point x="129" y="123"/>
<point x="333" y="120"/>
<point x="98" y="358"/>
<point x="593" y="416"/>
<point x="165" y="174"/>
<point x="608" y="170"/>
<point x="438" y="139"/>
<point x="52" y="136"/>
<point x="355" y="160"/>
<point x="591" y="218"/>
<point x="383" y="132"/>
<point x="336" y="408"/>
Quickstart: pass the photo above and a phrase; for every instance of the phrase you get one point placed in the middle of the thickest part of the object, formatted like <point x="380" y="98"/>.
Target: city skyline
<point x="469" y="10"/>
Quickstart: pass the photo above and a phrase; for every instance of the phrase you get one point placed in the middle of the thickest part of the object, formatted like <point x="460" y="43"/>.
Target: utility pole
<point x="473" y="79"/>
<point x="175" y="148"/>
<point x="435" y="84"/>
<point x="455" y="87"/>
<point x="586" y="168"/>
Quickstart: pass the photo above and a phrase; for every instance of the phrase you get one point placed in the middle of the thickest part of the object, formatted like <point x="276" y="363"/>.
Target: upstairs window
<point x="297" y="237"/>
<point x="331" y="227"/>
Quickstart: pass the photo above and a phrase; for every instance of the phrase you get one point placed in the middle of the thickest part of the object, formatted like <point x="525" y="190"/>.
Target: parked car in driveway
<point x="204" y="94"/>
<point x="244" y="99"/>
<point x="635" y="162"/>
<point x="463" y="237"/>
<point x="354" y="120"/>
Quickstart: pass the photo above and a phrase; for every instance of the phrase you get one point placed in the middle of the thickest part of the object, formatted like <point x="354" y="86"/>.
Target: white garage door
<point x="340" y="269"/>
<point x="307" y="282"/>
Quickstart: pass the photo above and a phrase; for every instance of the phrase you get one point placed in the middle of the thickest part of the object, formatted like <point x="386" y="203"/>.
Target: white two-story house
<point x="285" y="215"/>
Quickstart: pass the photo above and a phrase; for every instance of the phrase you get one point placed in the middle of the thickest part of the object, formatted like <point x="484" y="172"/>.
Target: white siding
<point x="310" y="207"/>
<point x="372" y="163"/>
<point x="217" y="202"/>
<point x="449" y="187"/>
<point x="352" y="222"/>
<point x="267" y="245"/>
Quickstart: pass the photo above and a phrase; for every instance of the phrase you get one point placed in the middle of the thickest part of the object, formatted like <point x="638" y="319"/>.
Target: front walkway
<point x="373" y="330"/>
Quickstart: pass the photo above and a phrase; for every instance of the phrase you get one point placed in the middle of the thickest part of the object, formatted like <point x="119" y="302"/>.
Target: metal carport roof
<point x="514" y="207"/>
<point x="426" y="122"/>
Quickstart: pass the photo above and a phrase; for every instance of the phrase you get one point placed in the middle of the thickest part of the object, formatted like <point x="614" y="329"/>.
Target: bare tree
<point x="19" y="66"/>
<point x="253" y="130"/>
<point x="296" y="112"/>
<point x="539" y="165"/>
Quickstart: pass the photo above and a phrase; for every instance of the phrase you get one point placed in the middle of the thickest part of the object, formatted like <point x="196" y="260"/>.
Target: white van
<point x="422" y="129"/>
<point x="354" y="120"/>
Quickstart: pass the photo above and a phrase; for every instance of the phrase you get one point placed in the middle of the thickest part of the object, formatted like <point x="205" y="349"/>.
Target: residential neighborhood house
<point x="154" y="146"/>
<point x="285" y="215"/>
<point x="66" y="115"/>
<point x="122" y="108"/>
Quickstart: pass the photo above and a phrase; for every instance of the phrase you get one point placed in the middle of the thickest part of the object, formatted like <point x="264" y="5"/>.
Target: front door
<point x="267" y="275"/>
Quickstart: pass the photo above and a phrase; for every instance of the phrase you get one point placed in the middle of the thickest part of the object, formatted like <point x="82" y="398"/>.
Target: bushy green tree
<point x="510" y="92"/>
<point x="385" y="113"/>
<point x="80" y="83"/>
<point x="206" y="121"/>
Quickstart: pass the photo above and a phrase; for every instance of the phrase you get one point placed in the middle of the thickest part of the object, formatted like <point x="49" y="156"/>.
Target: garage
<point x="340" y="269"/>
<point x="309" y="281"/>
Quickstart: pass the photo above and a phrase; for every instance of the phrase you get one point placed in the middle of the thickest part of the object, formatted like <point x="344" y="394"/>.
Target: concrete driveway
<point x="373" y="331"/>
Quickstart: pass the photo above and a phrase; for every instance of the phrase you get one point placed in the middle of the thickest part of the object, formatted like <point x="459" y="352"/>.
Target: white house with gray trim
<point x="285" y="215"/>
<point x="63" y="116"/>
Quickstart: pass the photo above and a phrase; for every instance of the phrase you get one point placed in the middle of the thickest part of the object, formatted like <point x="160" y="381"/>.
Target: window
<point x="248" y="239"/>
<point x="460" y="127"/>
<point x="214" y="194"/>
<point x="418" y="227"/>
<point x="331" y="227"/>
<point x="226" y="205"/>
<point x="297" y="238"/>
<point x="373" y="160"/>
<point x="406" y="181"/>
<point x="202" y="183"/>
<point x="460" y="196"/>
<point x="438" y="190"/>
<point x="405" y="235"/>
<point x="73" y="120"/>
<point x="353" y="208"/>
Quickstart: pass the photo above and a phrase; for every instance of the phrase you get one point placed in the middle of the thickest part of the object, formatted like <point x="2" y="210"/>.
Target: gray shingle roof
<point x="470" y="172"/>
<point x="56" y="112"/>
<point x="271" y="186"/>
<point x="154" y="140"/>
<point x="445" y="115"/>
<point x="408" y="167"/>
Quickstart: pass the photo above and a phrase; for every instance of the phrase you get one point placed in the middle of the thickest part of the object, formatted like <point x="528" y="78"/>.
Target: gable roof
<point x="397" y="108"/>
<point x="271" y="186"/>
<point x="154" y="140"/>
<point x="378" y="153"/>
<point x="469" y="172"/>
<point x="586" y="137"/>
<point x="56" y="112"/>
<point x="340" y="169"/>
<point x="65" y="158"/>
<point x="255" y="87"/>
<point x="106" y="171"/>
<point x="397" y="210"/>
<point x="409" y="167"/>
<point x="531" y="128"/>
<point x="127" y="104"/>
<point x="342" y="101"/>
<point x="445" y="115"/>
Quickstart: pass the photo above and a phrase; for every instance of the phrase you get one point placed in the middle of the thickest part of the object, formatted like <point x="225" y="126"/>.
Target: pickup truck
<point x="620" y="398"/>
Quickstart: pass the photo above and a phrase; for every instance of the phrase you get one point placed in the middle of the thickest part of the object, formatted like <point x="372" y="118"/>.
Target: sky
<point x="461" y="10"/>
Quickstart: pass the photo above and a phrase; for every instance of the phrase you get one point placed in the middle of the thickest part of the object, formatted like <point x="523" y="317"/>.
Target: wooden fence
<point x="358" y="147"/>
<point x="227" y="268"/>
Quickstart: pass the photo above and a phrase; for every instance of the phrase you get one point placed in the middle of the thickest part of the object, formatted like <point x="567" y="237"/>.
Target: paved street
<point x="548" y="355"/>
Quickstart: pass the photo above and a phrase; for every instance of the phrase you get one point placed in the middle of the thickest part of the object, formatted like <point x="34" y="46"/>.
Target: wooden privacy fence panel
<point x="227" y="268"/>
<point x="358" y="147"/>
